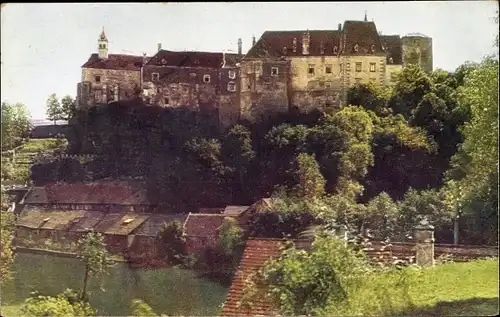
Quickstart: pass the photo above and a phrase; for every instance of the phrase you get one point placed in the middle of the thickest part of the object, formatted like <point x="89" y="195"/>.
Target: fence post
<point x="424" y="237"/>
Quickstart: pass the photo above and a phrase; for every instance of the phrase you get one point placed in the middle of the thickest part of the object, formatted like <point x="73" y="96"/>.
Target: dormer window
<point x="274" y="71"/>
<point x="284" y="50"/>
<point x="372" y="48"/>
<point x="335" y="49"/>
<point x="356" y="47"/>
<point x="294" y="45"/>
<point x="196" y="62"/>
<point x="322" y="48"/>
<point x="231" y="86"/>
<point x="206" y="78"/>
<point x="155" y="77"/>
<point x="163" y="61"/>
<point x="232" y="74"/>
<point x="391" y="61"/>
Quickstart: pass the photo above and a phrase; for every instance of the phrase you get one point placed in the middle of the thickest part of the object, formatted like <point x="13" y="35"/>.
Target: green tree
<point x="311" y="184"/>
<point x="302" y="282"/>
<point x="93" y="254"/>
<point x="54" y="109"/>
<point x="6" y="235"/>
<point x="140" y="308"/>
<point x="230" y="236"/>
<point x="15" y="125"/>
<point x="381" y="216"/>
<point x="64" y="304"/>
<point x="68" y="107"/>
<point x="238" y="152"/>
<point x="173" y="241"/>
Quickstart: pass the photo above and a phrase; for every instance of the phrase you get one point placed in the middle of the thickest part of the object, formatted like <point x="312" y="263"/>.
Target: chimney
<point x="340" y="26"/>
<point x="253" y="40"/>
<point x="305" y="43"/>
<point x="159" y="47"/>
<point x="240" y="43"/>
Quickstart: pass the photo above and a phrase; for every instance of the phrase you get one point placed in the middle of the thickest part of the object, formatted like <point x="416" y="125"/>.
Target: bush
<point x="64" y="304"/>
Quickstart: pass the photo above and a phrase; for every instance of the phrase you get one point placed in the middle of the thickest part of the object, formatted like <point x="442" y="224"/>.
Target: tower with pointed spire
<point x="103" y="45"/>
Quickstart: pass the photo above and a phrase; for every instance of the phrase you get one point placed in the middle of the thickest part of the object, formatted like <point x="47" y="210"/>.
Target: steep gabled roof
<point x="272" y="43"/>
<point x="255" y="255"/>
<point x="234" y="210"/>
<point x="361" y="33"/>
<point x="196" y="59"/>
<point x="115" y="61"/>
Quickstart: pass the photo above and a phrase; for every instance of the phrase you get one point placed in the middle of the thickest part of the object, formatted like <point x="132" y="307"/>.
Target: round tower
<point x="417" y="50"/>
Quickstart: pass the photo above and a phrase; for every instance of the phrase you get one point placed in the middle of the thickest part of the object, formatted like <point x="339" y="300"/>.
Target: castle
<point x="307" y="69"/>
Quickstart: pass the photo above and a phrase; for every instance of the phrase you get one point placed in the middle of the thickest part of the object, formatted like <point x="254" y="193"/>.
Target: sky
<point x="43" y="46"/>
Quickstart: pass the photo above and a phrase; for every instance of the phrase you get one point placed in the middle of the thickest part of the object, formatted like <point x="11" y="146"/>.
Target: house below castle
<point x="303" y="69"/>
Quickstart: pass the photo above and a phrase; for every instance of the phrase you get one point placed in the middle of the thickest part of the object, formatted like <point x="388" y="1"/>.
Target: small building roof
<point x="51" y="220"/>
<point x="88" y="221"/>
<point x="255" y="255"/>
<point x="93" y="193"/>
<point x="120" y="223"/>
<point x="234" y="210"/>
<point x="203" y="225"/>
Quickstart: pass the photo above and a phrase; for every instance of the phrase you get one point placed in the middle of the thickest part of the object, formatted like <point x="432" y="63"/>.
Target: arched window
<point x="372" y="48"/>
<point x="356" y="47"/>
<point x="335" y="50"/>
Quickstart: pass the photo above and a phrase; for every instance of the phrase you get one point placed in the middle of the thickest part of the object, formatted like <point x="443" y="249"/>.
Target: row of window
<point x="206" y="78"/>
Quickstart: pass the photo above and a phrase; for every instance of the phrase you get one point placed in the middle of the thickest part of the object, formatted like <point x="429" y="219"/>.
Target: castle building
<point x="283" y="70"/>
<point x="313" y="69"/>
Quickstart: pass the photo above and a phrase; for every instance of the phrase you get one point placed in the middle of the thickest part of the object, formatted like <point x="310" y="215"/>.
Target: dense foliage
<point x="172" y="241"/>
<point x="387" y="140"/>
<point x="230" y="236"/>
<point x="15" y="125"/>
<point x="6" y="237"/>
<point x="64" y="304"/>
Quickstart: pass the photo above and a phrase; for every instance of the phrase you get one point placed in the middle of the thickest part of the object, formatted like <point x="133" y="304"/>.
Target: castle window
<point x="391" y="60"/>
<point x="232" y="74"/>
<point x="328" y="69"/>
<point x="274" y="71"/>
<point x="311" y="70"/>
<point x="335" y="50"/>
<point x="294" y="45"/>
<point x="372" y="67"/>
<point x="372" y="48"/>
<point x="164" y="61"/>
<point x="206" y="79"/>
<point x="356" y="48"/>
<point x="358" y="67"/>
<point x="322" y="48"/>
<point x="231" y="86"/>
<point x="97" y="79"/>
<point x="155" y="76"/>
<point x="165" y="101"/>
<point x="347" y="66"/>
<point x="284" y="50"/>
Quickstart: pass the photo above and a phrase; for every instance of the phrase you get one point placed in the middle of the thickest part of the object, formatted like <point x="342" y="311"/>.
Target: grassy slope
<point x="453" y="289"/>
<point x="465" y="289"/>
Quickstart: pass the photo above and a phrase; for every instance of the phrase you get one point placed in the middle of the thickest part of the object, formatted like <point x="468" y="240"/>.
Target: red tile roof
<point x="96" y="193"/>
<point x="115" y="61"/>
<point x="273" y="42"/>
<point x="257" y="252"/>
<point x="192" y="59"/>
<point x="203" y="225"/>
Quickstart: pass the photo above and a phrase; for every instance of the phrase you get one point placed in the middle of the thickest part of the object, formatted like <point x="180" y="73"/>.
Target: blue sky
<point x="44" y="45"/>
